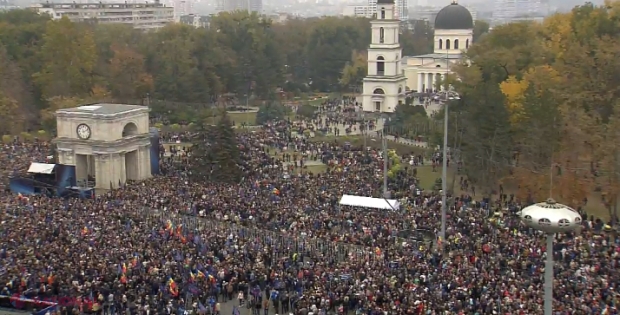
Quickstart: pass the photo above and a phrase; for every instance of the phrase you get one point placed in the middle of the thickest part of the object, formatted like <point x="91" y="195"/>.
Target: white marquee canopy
<point x="41" y="168"/>
<point x="369" y="202"/>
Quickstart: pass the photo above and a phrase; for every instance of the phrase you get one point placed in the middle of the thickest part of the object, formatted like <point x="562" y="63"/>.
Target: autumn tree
<point x="128" y="77"/>
<point x="354" y="71"/>
<point x="69" y="58"/>
<point x="16" y="98"/>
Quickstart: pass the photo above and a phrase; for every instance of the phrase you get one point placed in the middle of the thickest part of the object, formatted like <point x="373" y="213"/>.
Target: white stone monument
<point x="107" y="143"/>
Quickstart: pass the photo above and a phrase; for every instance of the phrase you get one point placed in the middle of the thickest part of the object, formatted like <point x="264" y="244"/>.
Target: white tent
<point x="41" y="168"/>
<point x="369" y="202"/>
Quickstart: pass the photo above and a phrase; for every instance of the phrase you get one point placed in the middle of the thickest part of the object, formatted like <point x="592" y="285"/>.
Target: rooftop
<point x="437" y="56"/>
<point x="102" y="109"/>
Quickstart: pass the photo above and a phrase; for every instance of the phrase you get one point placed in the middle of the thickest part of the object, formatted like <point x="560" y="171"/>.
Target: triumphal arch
<point x="107" y="143"/>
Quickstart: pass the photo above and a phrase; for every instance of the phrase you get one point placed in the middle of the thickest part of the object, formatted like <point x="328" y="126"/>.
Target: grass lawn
<point x="249" y="118"/>
<point x="316" y="102"/>
<point x="358" y="140"/>
<point x="308" y="169"/>
<point x="314" y="169"/>
<point x="427" y="177"/>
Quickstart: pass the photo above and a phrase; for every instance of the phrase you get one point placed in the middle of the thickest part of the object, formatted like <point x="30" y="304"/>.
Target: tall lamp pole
<point x="386" y="193"/>
<point x="444" y="167"/>
<point x="550" y="217"/>
<point x="444" y="173"/>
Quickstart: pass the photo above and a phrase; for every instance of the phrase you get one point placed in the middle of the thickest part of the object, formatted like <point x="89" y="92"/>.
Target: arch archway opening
<point x="447" y="44"/>
<point x="440" y="44"/>
<point x="456" y="44"/>
<point x="467" y="43"/>
<point x="378" y="91"/>
<point x="130" y="129"/>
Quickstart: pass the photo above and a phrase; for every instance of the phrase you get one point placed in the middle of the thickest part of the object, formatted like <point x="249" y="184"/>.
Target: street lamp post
<point x="550" y="217"/>
<point x="386" y="193"/>
<point x="444" y="166"/>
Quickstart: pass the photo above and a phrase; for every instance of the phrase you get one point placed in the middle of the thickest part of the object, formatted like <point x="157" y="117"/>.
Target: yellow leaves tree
<point x="607" y="167"/>
<point x="69" y="57"/>
<point x="514" y="89"/>
<point x="557" y="30"/>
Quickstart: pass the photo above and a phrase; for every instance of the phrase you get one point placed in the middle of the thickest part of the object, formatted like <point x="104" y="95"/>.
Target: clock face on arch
<point x="83" y="131"/>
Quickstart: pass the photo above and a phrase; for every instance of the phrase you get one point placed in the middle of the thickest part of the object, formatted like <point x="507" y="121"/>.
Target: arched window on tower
<point x="456" y="44"/>
<point x="381" y="35"/>
<point x="440" y="44"/>
<point x="382" y="13"/>
<point x="447" y="44"/>
<point x="466" y="43"/>
<point x="380" y="65"/>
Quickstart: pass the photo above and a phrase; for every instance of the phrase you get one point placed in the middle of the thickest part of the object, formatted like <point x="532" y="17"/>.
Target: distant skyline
<point x="309" y="8"/>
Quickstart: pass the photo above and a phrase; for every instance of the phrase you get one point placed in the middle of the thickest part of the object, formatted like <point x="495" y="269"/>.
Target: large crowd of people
<point x="278" y="242"/>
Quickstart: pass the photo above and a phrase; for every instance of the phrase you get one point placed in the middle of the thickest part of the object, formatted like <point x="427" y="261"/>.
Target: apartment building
<point x="507" y="11"/>
<point x="370" y="10"/>
<point x="139" y="15"/>
<point x="196" y="20"/>
<point x="243" y="5"/>
<point x="181" y="8"/>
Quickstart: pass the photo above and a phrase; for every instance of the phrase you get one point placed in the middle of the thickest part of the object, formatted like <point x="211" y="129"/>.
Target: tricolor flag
<point x="172" y="287"/>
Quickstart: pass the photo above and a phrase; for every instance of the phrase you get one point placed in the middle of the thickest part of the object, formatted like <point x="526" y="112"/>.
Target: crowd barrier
<point x="283" y="244"/>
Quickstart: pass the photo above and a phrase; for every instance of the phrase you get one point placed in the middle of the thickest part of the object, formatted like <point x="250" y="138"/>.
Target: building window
<point x="380" y="66"/>
<point x="382" y="14"/>
<point x="440" y="44"/>
<point x="378" y="91"/>
<point x="381" y="35"/>
<point x="467" y="43"/>
<point x="447" y="44"/>
<point x="456" y="44"/>
<point x="378" y="106"/>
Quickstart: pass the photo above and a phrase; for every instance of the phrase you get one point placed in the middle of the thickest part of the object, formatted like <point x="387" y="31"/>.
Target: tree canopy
<point x="215" y="153"/>
<point x="55" y="64"/>
<point x="540" y="101"/>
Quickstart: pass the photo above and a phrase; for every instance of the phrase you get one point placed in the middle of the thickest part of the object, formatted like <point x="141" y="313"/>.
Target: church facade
<point x="454" y="29"/>
<point x="385" y="84"/>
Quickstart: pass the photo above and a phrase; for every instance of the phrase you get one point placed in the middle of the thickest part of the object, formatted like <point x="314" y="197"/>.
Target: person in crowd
<point x="280" y="241"/>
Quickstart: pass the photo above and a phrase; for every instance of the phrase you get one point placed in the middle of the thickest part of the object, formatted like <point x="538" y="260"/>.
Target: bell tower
<point x="384" y="85"/>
